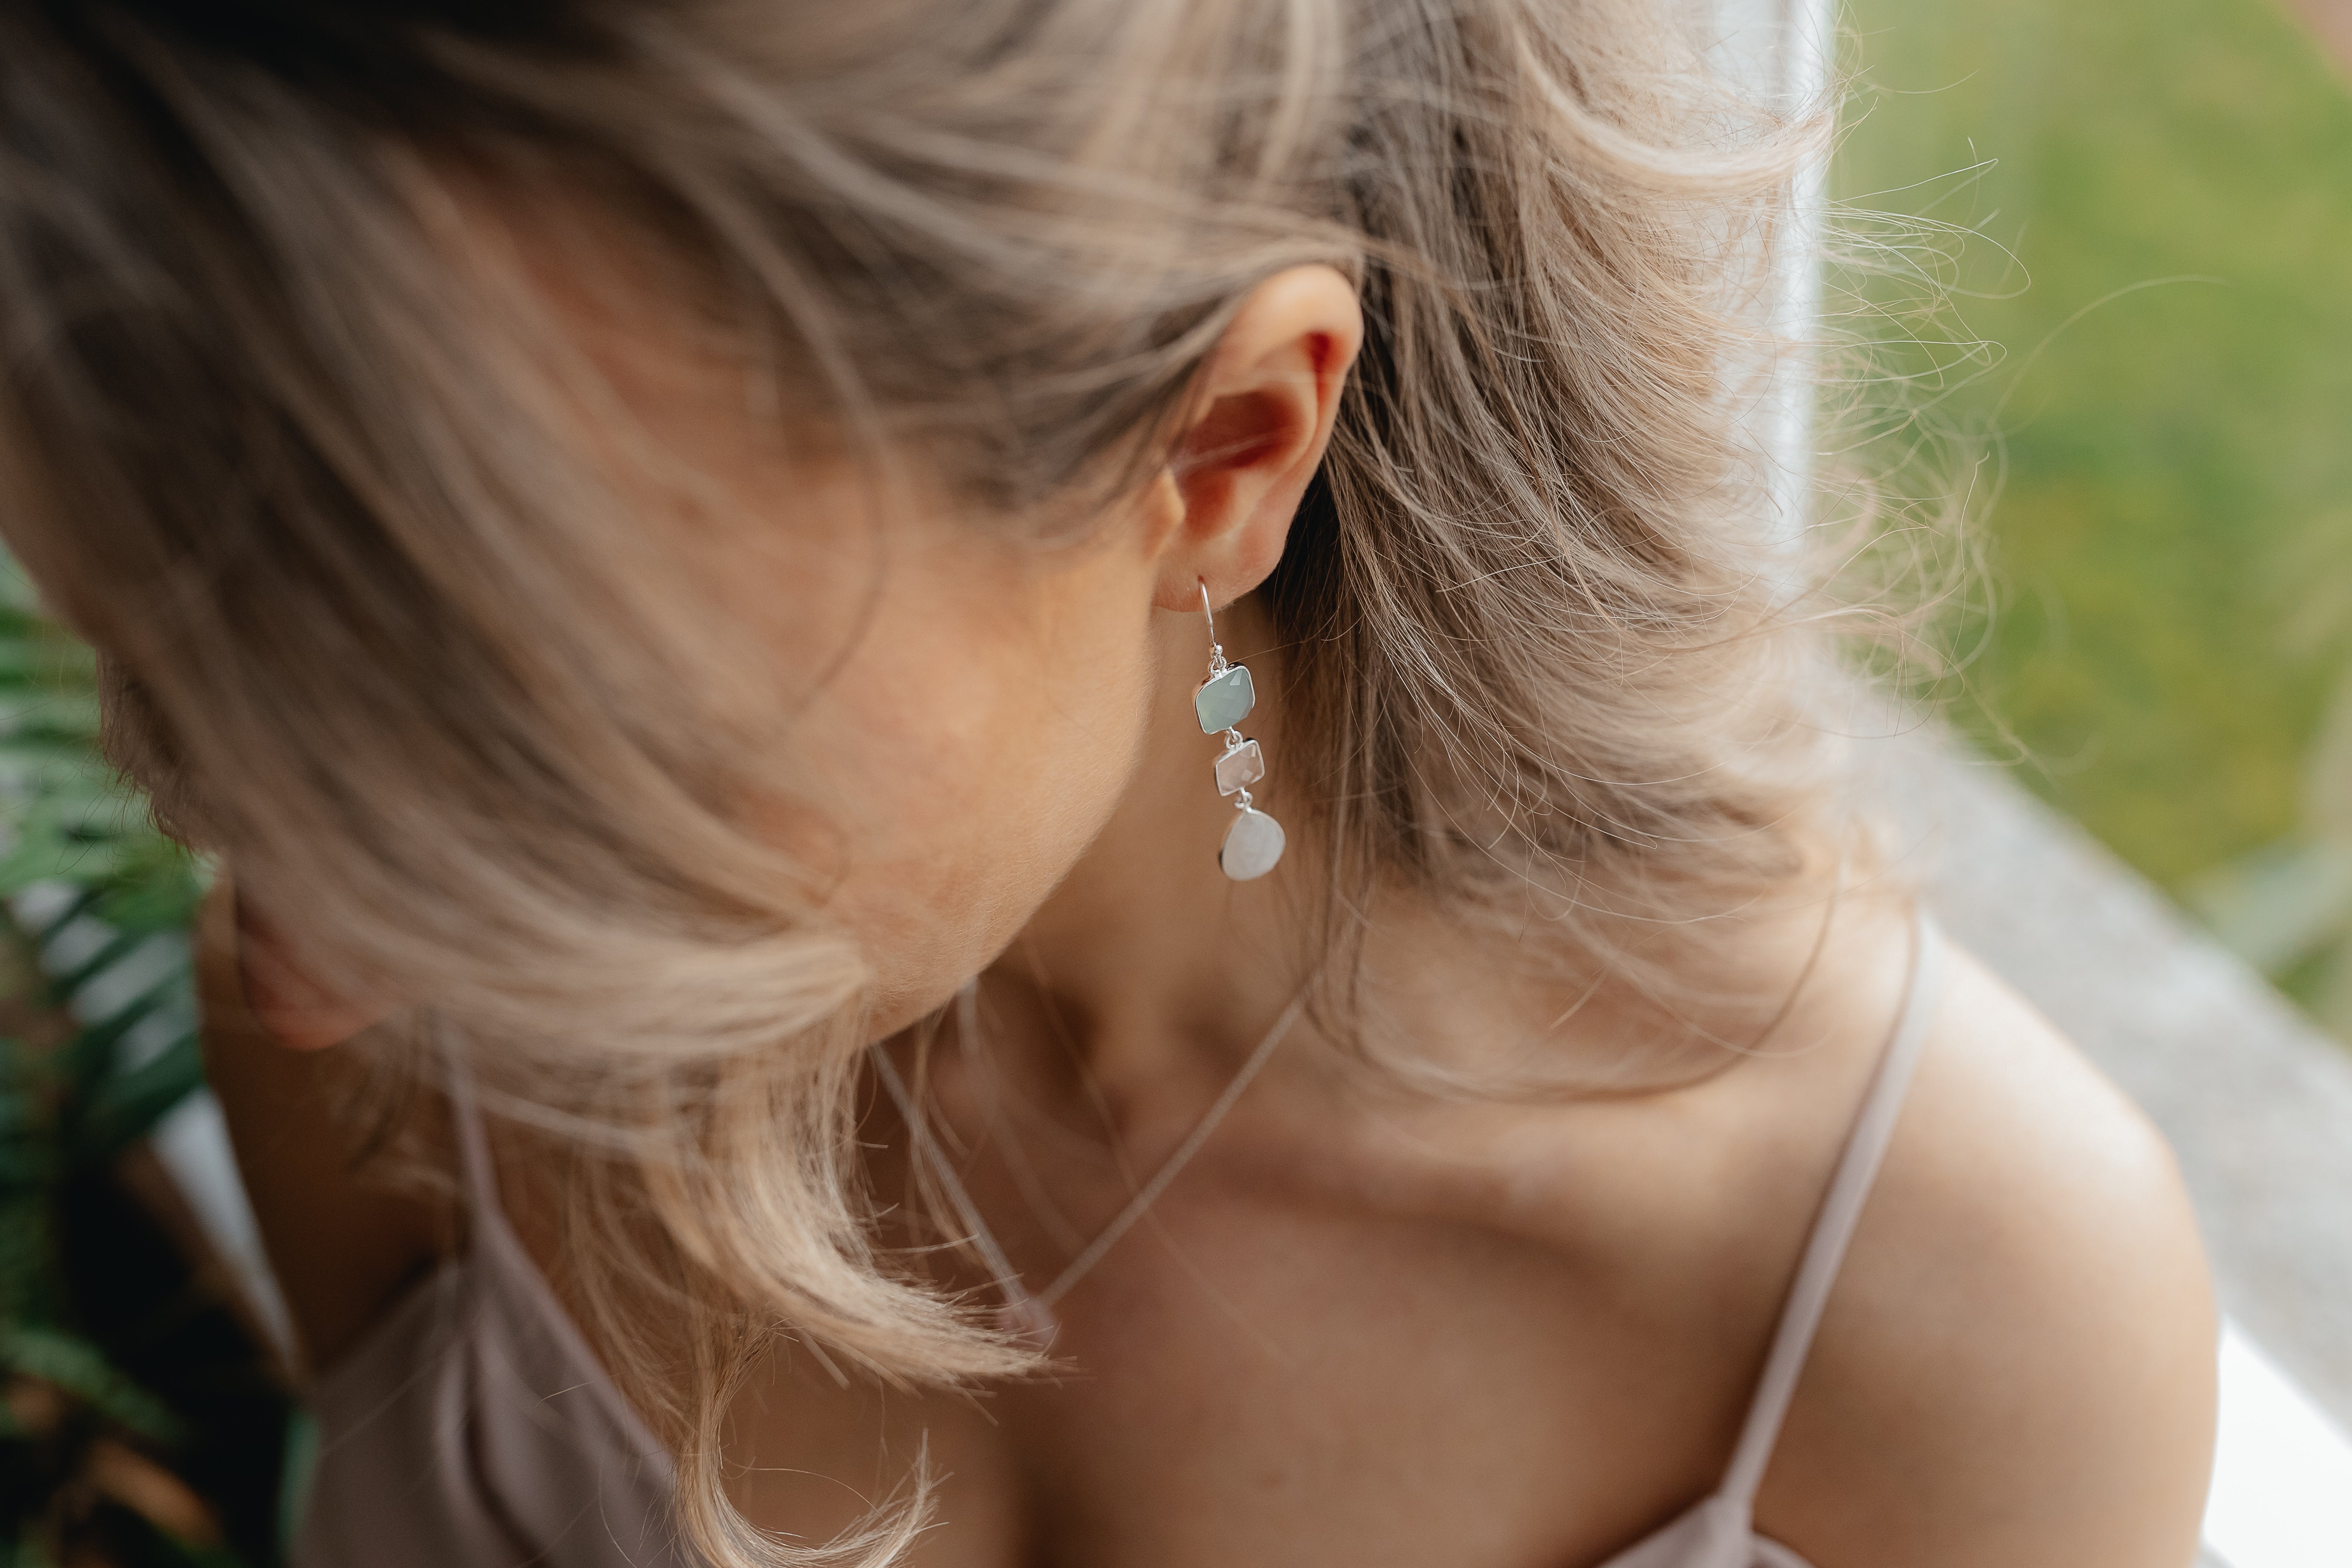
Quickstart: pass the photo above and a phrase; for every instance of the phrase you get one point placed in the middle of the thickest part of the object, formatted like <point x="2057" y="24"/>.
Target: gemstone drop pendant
<point x="1253" y="844"/>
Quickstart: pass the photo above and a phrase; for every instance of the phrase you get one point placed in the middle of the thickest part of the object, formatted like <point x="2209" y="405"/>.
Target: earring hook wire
<point x="1217" y="665"/>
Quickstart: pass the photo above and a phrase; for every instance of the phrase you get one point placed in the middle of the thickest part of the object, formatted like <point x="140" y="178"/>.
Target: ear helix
<point x="1254" y="843"/>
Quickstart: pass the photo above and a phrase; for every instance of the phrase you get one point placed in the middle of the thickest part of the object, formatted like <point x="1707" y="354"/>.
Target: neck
<point x="1157" y="971"/>
<point x="1151" y="960"/>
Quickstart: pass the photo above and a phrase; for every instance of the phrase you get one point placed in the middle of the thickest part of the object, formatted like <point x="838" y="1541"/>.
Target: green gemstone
<point x="1225" y="700"/>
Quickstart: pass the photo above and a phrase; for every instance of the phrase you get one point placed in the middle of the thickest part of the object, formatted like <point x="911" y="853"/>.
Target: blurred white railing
<point x="2282" y="1493"/>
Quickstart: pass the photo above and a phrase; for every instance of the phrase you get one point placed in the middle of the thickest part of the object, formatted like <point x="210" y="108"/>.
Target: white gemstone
<point x="1241" y="766"/>
<point x="1253" y="846"/>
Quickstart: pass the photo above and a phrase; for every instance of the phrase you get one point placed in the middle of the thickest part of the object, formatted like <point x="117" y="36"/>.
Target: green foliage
<point x="2148" y="208"/>
<point x="135" y="1411"/>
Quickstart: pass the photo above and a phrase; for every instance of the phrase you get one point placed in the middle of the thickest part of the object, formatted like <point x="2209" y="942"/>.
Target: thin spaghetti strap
<point x="486" y="1210"/>
<point x="512" y="1298"/>
<point x="473" y="1144"/>
<point x="1874" y="1126"/>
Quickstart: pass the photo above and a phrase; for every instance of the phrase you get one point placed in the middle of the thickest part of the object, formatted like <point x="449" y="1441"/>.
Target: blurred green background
<point x="2166" y="467"/>
<point x="143" y="1421"/>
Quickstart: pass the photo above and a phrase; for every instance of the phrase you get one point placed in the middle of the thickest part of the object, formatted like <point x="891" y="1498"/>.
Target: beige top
<point x="474" y="1428"/>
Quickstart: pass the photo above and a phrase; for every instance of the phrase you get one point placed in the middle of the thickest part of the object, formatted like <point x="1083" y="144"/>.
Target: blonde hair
<point x="377" y="632"/>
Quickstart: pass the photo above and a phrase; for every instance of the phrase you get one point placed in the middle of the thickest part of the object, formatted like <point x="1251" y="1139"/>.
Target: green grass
<point x="2171" y="543"/>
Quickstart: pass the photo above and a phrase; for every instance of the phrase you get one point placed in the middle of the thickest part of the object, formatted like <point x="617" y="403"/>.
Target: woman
<point x="690" y="561"/>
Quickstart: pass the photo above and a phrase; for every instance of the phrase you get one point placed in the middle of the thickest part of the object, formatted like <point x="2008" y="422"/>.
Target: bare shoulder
<point x="2017" y="1364"/>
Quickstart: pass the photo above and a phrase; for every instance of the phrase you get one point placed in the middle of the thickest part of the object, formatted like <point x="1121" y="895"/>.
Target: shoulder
<point x="2017" y="1364"/>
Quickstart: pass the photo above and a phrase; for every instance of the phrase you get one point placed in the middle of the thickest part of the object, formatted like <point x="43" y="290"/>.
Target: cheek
<point x="971" y="758"/>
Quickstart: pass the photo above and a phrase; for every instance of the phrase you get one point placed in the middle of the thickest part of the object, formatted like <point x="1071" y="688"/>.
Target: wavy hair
<point x="286" y="448"/>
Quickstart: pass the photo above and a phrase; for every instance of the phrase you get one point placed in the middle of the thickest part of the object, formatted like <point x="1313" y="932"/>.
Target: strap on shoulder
<point x="490" y="1235"/>
<point x="1849" y="1189"/>
<point x="474" y="1167"/>
<point x="517" y="1297"/>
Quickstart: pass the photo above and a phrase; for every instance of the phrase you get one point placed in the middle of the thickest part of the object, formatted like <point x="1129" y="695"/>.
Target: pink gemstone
<point x="1241" y="766"/>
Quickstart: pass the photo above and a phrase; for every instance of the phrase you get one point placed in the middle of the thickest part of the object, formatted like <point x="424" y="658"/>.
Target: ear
<point x="248" y="973"/>
<point x="1262" y="415"/>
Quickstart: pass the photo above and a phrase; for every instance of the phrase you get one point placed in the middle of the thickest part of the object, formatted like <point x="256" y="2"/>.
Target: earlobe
<point x="253" y="974"/>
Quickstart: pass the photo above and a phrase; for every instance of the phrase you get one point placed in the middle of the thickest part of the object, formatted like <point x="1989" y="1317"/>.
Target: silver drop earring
<point x="1254" y="843"/>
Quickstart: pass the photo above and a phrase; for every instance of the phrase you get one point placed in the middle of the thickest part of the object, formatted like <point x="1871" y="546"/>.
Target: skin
<point x="1362" y="1328"/>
